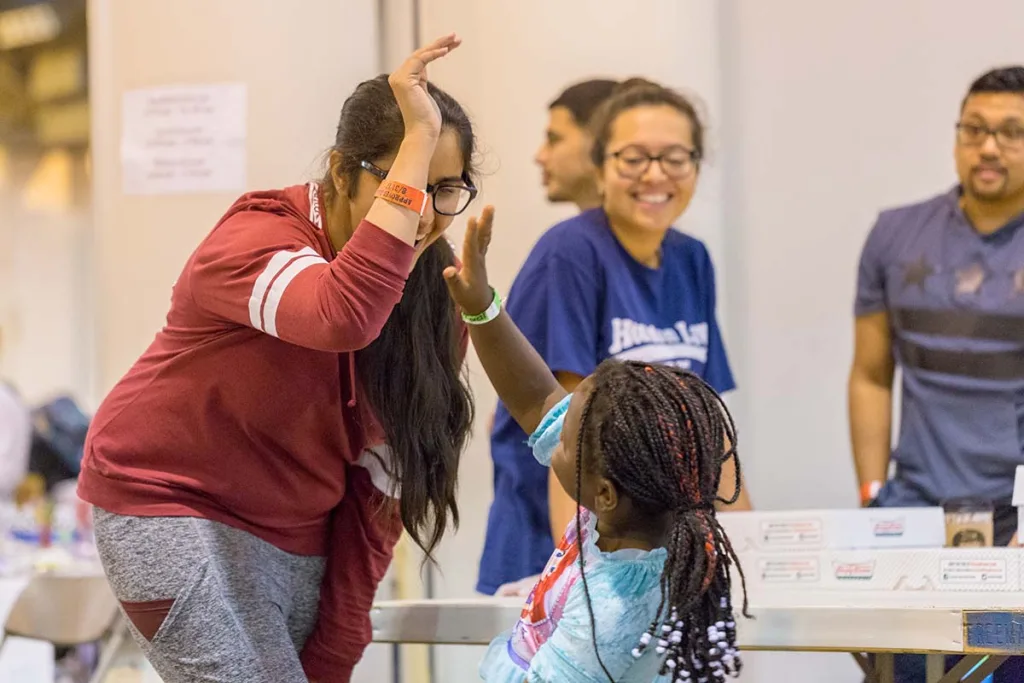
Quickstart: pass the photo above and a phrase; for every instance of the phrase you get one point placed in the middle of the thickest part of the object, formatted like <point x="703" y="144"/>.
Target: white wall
<point x="834" y="110"/>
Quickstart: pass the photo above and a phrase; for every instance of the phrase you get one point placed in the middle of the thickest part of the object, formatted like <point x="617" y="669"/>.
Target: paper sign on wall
<point x="180" y="139"/>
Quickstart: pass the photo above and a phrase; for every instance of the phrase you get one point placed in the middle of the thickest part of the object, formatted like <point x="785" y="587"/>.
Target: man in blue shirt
<point x="940" y="292"/>
<point x="581" y="298"/>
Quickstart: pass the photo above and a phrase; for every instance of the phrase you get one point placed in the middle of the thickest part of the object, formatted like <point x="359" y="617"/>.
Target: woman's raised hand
<point x="409" y="83"/>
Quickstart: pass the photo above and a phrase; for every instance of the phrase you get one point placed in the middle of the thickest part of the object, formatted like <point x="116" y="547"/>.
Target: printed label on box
<point x="854" y="571"/>
<point x="973" y="571"/>
<point x="790" y="570"/>
<point x="797" y="532"/>
<point x="892" y="527"/>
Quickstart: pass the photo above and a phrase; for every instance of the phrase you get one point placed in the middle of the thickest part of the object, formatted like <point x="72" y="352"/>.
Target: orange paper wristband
<point x="869" y="491"/>
<point x="402" y="195"/>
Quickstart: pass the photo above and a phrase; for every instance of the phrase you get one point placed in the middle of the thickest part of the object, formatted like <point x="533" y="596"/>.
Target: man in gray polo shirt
<point x="940" y="292"/>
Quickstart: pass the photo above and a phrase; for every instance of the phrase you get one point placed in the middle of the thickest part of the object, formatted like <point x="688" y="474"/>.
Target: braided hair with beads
<point x="661" y="435"/>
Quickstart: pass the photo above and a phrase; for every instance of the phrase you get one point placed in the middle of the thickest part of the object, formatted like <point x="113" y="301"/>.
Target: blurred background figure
<point x="565" y="157"/>
<point x="15" y="439"/>
<point x="15" y="436"/>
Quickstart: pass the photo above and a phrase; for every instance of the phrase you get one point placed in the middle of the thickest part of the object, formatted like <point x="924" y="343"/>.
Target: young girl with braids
<point x="638" y="590"/>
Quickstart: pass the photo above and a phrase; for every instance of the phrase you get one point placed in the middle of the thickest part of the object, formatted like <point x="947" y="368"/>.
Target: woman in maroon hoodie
<point x="254" y="469"/>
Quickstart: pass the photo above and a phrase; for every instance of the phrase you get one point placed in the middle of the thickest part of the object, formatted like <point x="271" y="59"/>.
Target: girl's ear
<point x="607" y="496"/>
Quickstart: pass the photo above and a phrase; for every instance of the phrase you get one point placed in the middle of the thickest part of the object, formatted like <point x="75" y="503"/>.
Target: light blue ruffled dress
<point x="553" y="641"/>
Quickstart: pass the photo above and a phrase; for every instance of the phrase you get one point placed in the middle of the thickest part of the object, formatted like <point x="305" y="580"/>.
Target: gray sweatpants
<point x="209" y="603"/>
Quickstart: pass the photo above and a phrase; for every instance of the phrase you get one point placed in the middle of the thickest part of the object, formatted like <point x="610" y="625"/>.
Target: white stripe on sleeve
<point x="275" y="265"/>
<point x="298" y="265"/>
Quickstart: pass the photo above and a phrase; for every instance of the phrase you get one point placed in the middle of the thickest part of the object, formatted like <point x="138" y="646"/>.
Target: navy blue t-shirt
<point x="580" y="298"/>
<point x="955" y="302"/>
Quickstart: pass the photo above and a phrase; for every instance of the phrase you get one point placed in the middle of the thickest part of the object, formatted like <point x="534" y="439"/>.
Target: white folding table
<point x="984" y="628"/>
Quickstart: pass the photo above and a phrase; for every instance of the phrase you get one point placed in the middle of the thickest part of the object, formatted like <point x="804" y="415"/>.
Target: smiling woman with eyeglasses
<point x="615" y="281"/>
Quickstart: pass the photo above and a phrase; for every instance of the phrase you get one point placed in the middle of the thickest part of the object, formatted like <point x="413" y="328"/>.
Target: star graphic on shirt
<point x="917" y="272"/>
<point x="970" y="279"/>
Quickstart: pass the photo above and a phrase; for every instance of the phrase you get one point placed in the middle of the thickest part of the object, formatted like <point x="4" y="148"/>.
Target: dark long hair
<point x="412" y="373"/>
<point x="660" y="435"/>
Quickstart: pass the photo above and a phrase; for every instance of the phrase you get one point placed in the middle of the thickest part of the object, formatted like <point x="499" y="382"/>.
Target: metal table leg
<point x="110" y="648"/>
<point x="885" y="663"/>
<point x="866" y="665"/>
<point x="935" y="667"/>
<point x="987" y="667"/>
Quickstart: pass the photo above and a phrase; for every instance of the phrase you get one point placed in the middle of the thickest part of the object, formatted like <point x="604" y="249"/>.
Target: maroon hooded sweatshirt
<point x="244" y="409"/>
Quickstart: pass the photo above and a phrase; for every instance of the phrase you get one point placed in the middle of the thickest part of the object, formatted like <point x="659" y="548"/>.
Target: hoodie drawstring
<point x="352" y="379"/>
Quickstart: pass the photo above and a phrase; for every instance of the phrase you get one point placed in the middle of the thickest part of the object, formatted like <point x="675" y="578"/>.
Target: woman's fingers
<point x="449" y="40"/>
<point x="427" y="57"/>
<point x="437" y="49"/>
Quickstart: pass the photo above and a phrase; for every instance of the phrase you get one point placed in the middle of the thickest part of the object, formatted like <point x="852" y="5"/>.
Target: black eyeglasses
<point x="1009" y="136"/>
<point x="450" y="199"/>
<point x="676" y="162"/>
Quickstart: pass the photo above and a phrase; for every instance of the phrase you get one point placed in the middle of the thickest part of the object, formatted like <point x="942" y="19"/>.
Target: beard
<point x="990" y="191"/>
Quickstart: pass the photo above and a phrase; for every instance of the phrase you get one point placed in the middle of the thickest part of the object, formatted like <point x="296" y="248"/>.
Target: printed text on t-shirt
<point x="676" y="345"/>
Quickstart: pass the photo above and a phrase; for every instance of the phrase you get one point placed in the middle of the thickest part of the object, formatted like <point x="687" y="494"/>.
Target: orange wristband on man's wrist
<point x="402" y="195"/>
<point x="869" y="491"/>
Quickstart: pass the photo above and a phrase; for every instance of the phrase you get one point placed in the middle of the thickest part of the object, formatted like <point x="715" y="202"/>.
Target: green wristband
<point x="488" y="315"/>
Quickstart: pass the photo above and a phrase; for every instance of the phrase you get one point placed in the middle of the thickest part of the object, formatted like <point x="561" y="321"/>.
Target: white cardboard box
<point x="813" y="530"/>
<point x="913" y="569"/>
